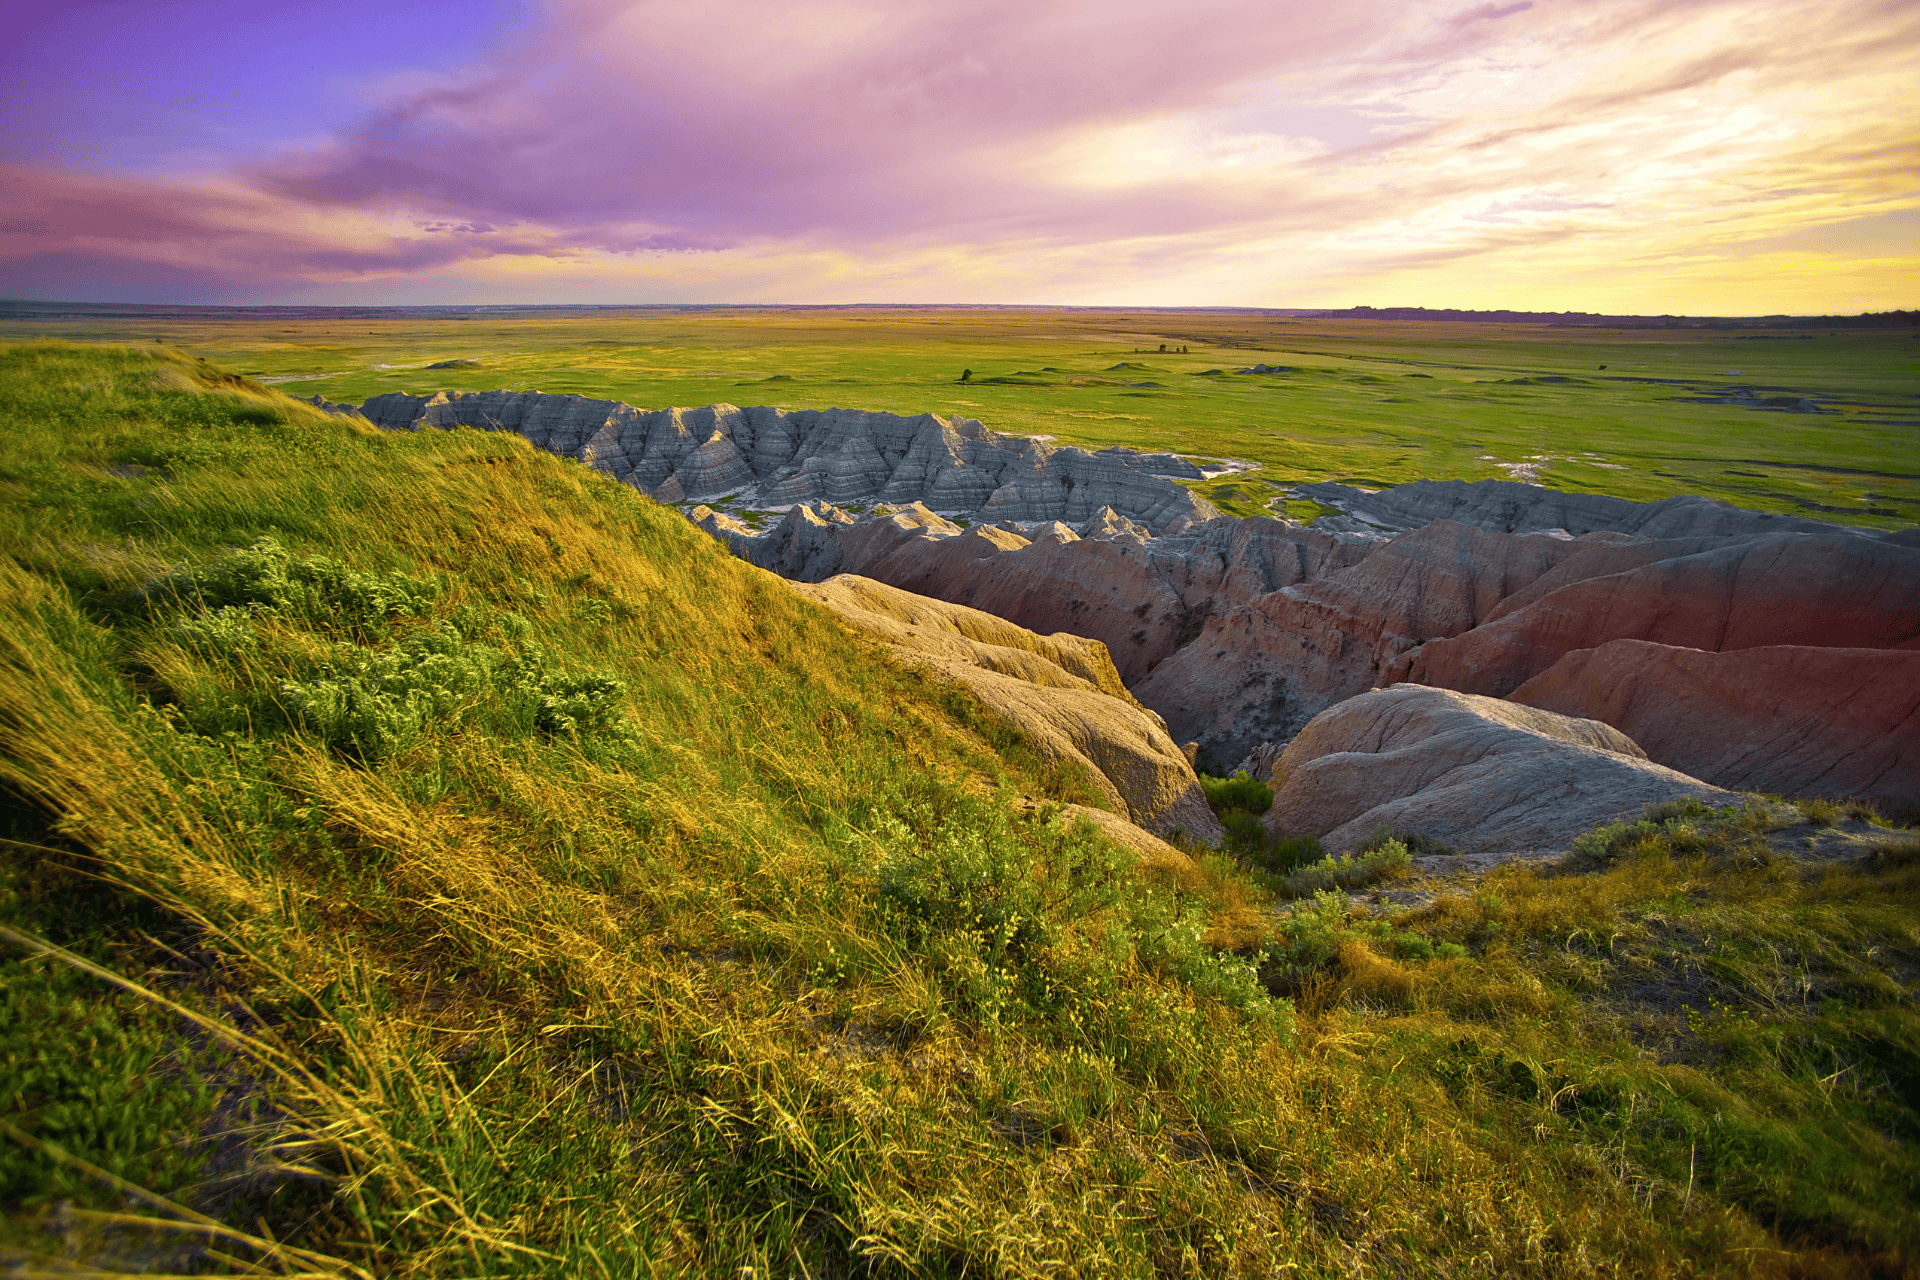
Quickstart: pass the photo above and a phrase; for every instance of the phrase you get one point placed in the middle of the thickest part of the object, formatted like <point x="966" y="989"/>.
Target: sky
<point x="1704" y="157"/>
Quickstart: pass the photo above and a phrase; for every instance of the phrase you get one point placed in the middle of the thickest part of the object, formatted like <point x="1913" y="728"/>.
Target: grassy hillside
<point x="425" y="857"/>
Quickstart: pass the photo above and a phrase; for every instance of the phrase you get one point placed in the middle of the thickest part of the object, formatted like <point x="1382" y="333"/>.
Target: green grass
<point x="1368" y="402"/>
<point x="619" y="913"/>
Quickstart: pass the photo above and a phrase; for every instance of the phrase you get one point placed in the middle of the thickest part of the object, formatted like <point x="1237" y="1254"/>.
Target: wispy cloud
<point x="1234" y="151"/>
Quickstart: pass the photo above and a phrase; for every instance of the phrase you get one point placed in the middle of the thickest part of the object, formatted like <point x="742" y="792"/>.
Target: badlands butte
<point x="1494" y="665"/>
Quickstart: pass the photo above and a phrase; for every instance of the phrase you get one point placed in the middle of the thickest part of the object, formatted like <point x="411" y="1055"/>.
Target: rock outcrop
<point x="1479" y="774"/>
<point x="1259" y="670"/>
<point x="1791" y="589"/>
<point x="1789" y="719"/>
<point x="780" y="457"/>
<point x="1509" y="506"/>
<point x="1459" y="608"/>
<point x="1062" y="692"/>
<point x="1142" y="597"/>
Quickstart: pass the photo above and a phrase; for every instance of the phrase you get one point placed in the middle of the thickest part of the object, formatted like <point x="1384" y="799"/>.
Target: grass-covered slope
<point x="424" y="856"/>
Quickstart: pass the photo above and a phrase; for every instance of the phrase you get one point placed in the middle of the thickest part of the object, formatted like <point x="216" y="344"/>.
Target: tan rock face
<point x="1790" y="719"/>
<point x="1794" y="589"/>
<point x="1480" y="774"/>
<point x="1062" y="692"/>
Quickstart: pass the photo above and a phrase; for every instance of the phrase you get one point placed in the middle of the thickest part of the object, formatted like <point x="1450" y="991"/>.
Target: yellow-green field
<point x="1373" y="402"/>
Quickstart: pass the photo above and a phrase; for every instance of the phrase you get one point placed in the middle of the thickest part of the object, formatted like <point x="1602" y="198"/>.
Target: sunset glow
<point x="1601" y="155"/>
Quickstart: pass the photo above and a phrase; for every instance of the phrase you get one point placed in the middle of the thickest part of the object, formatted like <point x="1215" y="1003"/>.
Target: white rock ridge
<point x="783" y="457"/>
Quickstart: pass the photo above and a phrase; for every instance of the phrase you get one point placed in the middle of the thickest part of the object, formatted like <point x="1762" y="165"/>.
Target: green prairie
<point x="1369" y="402"/>
<point x="424" y="856"/>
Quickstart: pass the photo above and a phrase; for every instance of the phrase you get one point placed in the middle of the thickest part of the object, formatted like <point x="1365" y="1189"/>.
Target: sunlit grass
<point x="768" y="970"/>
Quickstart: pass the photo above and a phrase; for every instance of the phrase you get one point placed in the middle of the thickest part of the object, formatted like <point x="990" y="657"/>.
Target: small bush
<point x="1386" y="861"/>
<point x="1823" y="812"/>
<point x="378" y="702"/>
<point x="1685" y="825"/>
<point x="1178" y="951"/>
<point x="382" y="701"/>
<point x="959" y="878"/>
<point x="1286" y="853"/>
<point x="1307" y="939"/>
<point x="217" y="632"/>
<point x="1240" y="793"/>
<point x="1418" y="844"/>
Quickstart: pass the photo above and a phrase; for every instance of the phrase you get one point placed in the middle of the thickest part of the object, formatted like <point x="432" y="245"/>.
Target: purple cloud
<point x="730" y="149"/>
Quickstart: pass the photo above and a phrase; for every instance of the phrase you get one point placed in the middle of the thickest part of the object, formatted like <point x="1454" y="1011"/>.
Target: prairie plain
<point x="1629" y="412"/>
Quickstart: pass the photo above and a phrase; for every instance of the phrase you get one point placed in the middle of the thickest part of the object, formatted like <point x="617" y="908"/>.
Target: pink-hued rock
<point x="1259" y="671"/>
<point x="1479" y="774"/>
<point x="1790" y="719"/>
<point x="1792" y="589"/>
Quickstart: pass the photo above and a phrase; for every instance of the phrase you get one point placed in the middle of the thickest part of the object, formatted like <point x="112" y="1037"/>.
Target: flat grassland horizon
<point x="1628" y="412"/>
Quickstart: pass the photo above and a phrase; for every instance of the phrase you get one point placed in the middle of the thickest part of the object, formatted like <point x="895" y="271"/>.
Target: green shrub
<point x="1385" y="861"/>
<point x="962" y="876"/>
<point x="1240" y="793"/>
<point x="1417" y="843"/>
<point x="313" y="588"/>
<point x="959" y="885"/>
<point x="1284" y="853"/>
<point x="1307" y="939"/>
<point x="226" y="630"/>
<point x="378" y="702"/>
<point x="1177" y="950"/>
<point x="1684" y="825"/>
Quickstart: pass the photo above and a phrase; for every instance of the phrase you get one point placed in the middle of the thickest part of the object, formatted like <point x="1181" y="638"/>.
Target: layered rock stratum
<point x="1108" y="579"/>
<point x="1787" y="719"/>
<point x="1509" y="506"/>
<point x="775" y="458"/>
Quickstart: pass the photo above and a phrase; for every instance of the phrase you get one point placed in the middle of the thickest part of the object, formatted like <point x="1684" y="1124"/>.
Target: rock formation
<point x="1508" y="506"/>
<point x="1479" y="774"/>
<point x="1788" y="719"/>
<point x="1142" y="597"/>
<point x="1261" y="669"/>
<point x="1060" y="691"/>
<point x="1240" y="632"/>
<point x="1478" y="612"/>
<point x="1831" y="591"/>
<point x="779" y="457"/>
